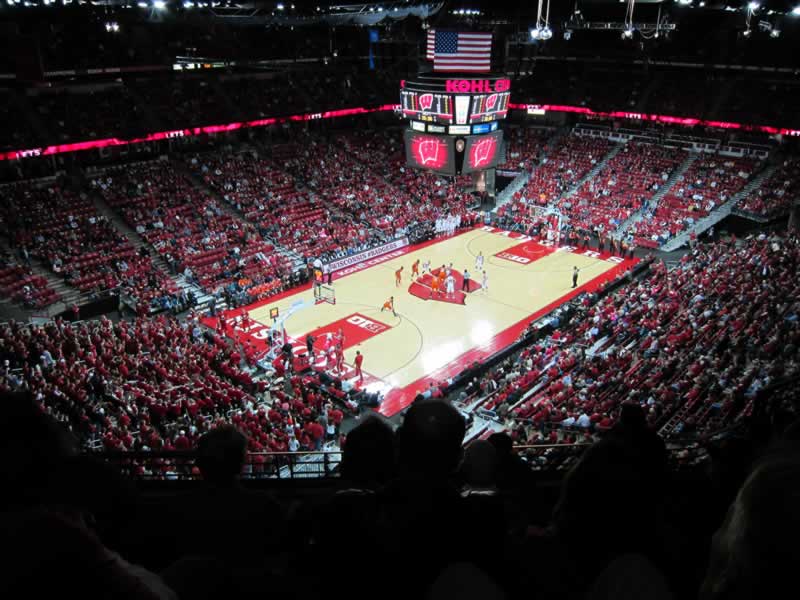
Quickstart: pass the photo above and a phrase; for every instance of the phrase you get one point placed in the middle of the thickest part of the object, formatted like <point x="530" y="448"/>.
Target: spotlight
<point x="188" y="4"/>
<point x="280" y="6"/>
<point x="546" y="33"/>
<point x="627" y="34"/>
<point x="753" y="6"/>
<point x="534" y="33"/>
<point x="746" y="33"/>
<point x="159" y="4"/>
<point x="796" y="11"/>
<point x="685" y="2"/>
<point x="568" y="34"/>
<point x="141" y="4"/>
<point x="702" y="4"/>
<point x="775" y="33"/>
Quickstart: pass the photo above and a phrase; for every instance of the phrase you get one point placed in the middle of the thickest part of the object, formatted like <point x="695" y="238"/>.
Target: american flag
<point x="457" y="51"/>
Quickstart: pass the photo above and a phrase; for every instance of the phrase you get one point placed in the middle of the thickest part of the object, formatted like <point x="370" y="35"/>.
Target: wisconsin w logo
<point x="426" y="101"/>
<point x="428" y="152"/>
<point x="483" y="152"/>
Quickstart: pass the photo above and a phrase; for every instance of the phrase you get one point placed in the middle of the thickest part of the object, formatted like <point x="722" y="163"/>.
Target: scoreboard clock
<point x="455" y="101"/>
<point x="454" y="123"/>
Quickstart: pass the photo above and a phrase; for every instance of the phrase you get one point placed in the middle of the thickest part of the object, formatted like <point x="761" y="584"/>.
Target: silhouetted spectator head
<point x="632" y="429"/>
<point x="756" y="548"/>
<point x="429" y="440"/>
<point x="57" y="554"/>
<point x="368" y="456"/>
<point x="221" y="454"/>
<point x="611" y="479"/>
<point x="631" y="416"/>
<point x="479" y="468"/>
<point x="96" y="490"/>
<point x="792" y="433"/>
<point x="502" y="442"/>
<point x="32" y="445"/>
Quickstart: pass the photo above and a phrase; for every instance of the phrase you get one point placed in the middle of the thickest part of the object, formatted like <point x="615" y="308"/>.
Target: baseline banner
<point x="367" y="254"/>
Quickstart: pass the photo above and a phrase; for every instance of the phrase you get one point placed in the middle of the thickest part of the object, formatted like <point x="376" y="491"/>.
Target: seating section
<point x="621" y="187"/>
<point x="65" y="232"/>
<point x="269" y="198"/>
<point x="390" y="196"/>
<point x="148" y="103"/>
<point x="684" y="94"/>
<point x="183" y="101"/>
<point x="188" y="228"/>
<point x="24" y="287"/>
<point x="72" y="116"/>
<point x="18" y="132"/>
<point x="524" y="145"/>
<point x="775" y="195"/>
<point x="564" y="166"/>
<point x="709" y="182"/>
<point x="763" y="103"/>
<point x="164" y="383"/>
<point x="612" y="89"/>
<point x="688" y="344"/>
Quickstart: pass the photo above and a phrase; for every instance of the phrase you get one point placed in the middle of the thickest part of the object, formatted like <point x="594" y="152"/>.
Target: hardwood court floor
<point x="428" y="339"/>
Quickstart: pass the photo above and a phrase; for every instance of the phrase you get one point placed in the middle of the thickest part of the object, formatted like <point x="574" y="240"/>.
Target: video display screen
<point x="488" y="107"/>
<point x="431" y="152"/>
<point x="430" y="107"/>
<point x="482" y="151"/>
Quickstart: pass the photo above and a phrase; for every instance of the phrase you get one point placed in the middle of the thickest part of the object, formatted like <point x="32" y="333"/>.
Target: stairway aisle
<point x="228" y="209"/>
<point x="591" y="174"/>
<point x="662" y="191"/>
<point x="134" y="238"/>
<point x="719" y="213"/>
<point x="522" y="179"/>
<point x="69" y="295"/>
<point x="203" y="298"/>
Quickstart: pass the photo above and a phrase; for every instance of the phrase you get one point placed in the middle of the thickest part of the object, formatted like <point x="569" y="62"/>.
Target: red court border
<point x="398" y="399"/>
<point x="356" y="268"/>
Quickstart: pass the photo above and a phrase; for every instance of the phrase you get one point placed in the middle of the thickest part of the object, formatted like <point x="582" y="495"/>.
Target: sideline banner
<point x="367" y="254"/>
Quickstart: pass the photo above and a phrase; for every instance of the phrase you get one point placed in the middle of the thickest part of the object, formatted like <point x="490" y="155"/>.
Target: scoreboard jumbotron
<point x="454" y="123"/>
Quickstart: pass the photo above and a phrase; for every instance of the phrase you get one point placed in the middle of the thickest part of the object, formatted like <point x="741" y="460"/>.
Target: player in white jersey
<point x="479" y="262"/>
<point x="450" y="284"/>
<point x="485" y="282"/>
<point x="426" y="266"/>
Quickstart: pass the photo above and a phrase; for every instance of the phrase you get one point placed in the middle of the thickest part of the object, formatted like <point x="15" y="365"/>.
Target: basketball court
<point x="431" y="339"/>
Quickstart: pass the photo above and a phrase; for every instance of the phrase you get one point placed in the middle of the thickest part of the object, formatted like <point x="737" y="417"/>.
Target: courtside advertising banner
<point x="368" y="254"/>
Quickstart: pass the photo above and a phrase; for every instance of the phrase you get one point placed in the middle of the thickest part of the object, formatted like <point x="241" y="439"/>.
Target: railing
<point x="258" y="465"/>
<point x="324" y="464"/>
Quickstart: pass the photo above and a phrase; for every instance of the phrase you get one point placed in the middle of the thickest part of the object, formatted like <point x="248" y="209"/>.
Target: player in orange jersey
<point x="389" y="305"/>
<point x="398" y="276"/>
<point x="415" y="269"/>
<point x="434" y="286"/>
